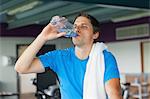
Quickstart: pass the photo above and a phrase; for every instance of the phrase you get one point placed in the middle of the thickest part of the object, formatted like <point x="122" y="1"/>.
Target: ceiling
<point x="18" y="13"/>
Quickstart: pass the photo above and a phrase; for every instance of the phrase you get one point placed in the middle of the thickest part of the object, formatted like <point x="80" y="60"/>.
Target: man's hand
<point x="113" y="89"/>
<point x="50" y="32"/>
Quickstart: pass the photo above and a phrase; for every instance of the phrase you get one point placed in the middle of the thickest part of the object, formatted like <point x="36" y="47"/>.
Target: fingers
<point x="61" y="34"/>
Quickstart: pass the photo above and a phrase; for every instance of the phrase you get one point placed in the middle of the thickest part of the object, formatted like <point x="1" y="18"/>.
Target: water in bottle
<point x="63" y="25"/>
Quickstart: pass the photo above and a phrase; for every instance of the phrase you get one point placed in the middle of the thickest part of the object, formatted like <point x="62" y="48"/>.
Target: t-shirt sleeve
<point x="49" y="59"/>
<point x="111" y="68"/>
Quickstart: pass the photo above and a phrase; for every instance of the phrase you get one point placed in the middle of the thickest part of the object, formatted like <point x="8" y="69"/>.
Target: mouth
<point x="77" y="36"/>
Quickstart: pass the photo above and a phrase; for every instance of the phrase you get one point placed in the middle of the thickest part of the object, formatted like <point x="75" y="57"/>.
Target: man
<point x="70" y="64"/>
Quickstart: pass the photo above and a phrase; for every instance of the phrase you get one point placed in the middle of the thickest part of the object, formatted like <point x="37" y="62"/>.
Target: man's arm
<point x="27" y="63"/>
<point x="113" y="89"/>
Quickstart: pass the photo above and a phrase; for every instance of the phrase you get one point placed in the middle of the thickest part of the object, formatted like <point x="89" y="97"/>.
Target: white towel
<point x="94" y="76"/>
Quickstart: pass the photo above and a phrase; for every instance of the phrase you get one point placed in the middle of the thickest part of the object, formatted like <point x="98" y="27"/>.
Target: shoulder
<point x="111" y="67"/>
<point x="108" y="55"/>
<point x="66" y="51"/>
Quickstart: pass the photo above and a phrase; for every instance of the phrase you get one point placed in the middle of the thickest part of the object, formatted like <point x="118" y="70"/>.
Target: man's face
<point x="84" y="29"/>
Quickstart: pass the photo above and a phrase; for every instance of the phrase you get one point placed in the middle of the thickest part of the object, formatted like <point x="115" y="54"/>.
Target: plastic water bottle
<point x="63" y="25"/>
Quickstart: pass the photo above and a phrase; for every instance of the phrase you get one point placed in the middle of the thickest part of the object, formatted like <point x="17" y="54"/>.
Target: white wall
<point x="128" y="55"/>
<point x="8" y="79"/>
<point x="26" y="85"/>
<point x="146" y="49"/>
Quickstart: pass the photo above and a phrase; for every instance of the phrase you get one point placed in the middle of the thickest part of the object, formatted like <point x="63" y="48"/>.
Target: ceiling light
<point x="24" y="8"/>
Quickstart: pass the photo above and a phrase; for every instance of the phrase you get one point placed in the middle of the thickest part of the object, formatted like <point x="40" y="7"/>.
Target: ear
<point x="96" y="35"/>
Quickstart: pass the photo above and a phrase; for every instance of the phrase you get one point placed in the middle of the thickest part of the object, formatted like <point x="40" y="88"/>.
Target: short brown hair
<point x="94" y="22"/>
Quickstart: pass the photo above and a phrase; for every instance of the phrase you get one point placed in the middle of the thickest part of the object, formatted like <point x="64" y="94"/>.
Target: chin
<point x="76" y="43"/>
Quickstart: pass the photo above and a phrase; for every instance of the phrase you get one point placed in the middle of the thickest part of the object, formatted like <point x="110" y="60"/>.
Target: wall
<point x="8" y="79"/>
<point x="146" y="52"/>
<point x="128" y="55"/>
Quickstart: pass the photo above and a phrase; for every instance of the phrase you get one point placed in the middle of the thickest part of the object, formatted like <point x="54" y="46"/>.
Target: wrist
<point x="42" y="38"/>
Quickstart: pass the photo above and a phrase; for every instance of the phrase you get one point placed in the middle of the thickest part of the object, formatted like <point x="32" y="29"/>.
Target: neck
<point x="83" y="52"/>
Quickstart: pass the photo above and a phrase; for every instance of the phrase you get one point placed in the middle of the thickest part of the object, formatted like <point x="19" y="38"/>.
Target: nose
<point x="77" y="29"/>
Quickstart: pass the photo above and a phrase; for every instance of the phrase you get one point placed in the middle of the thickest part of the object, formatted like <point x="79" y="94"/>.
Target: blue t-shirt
<point x="71" y="70"/>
